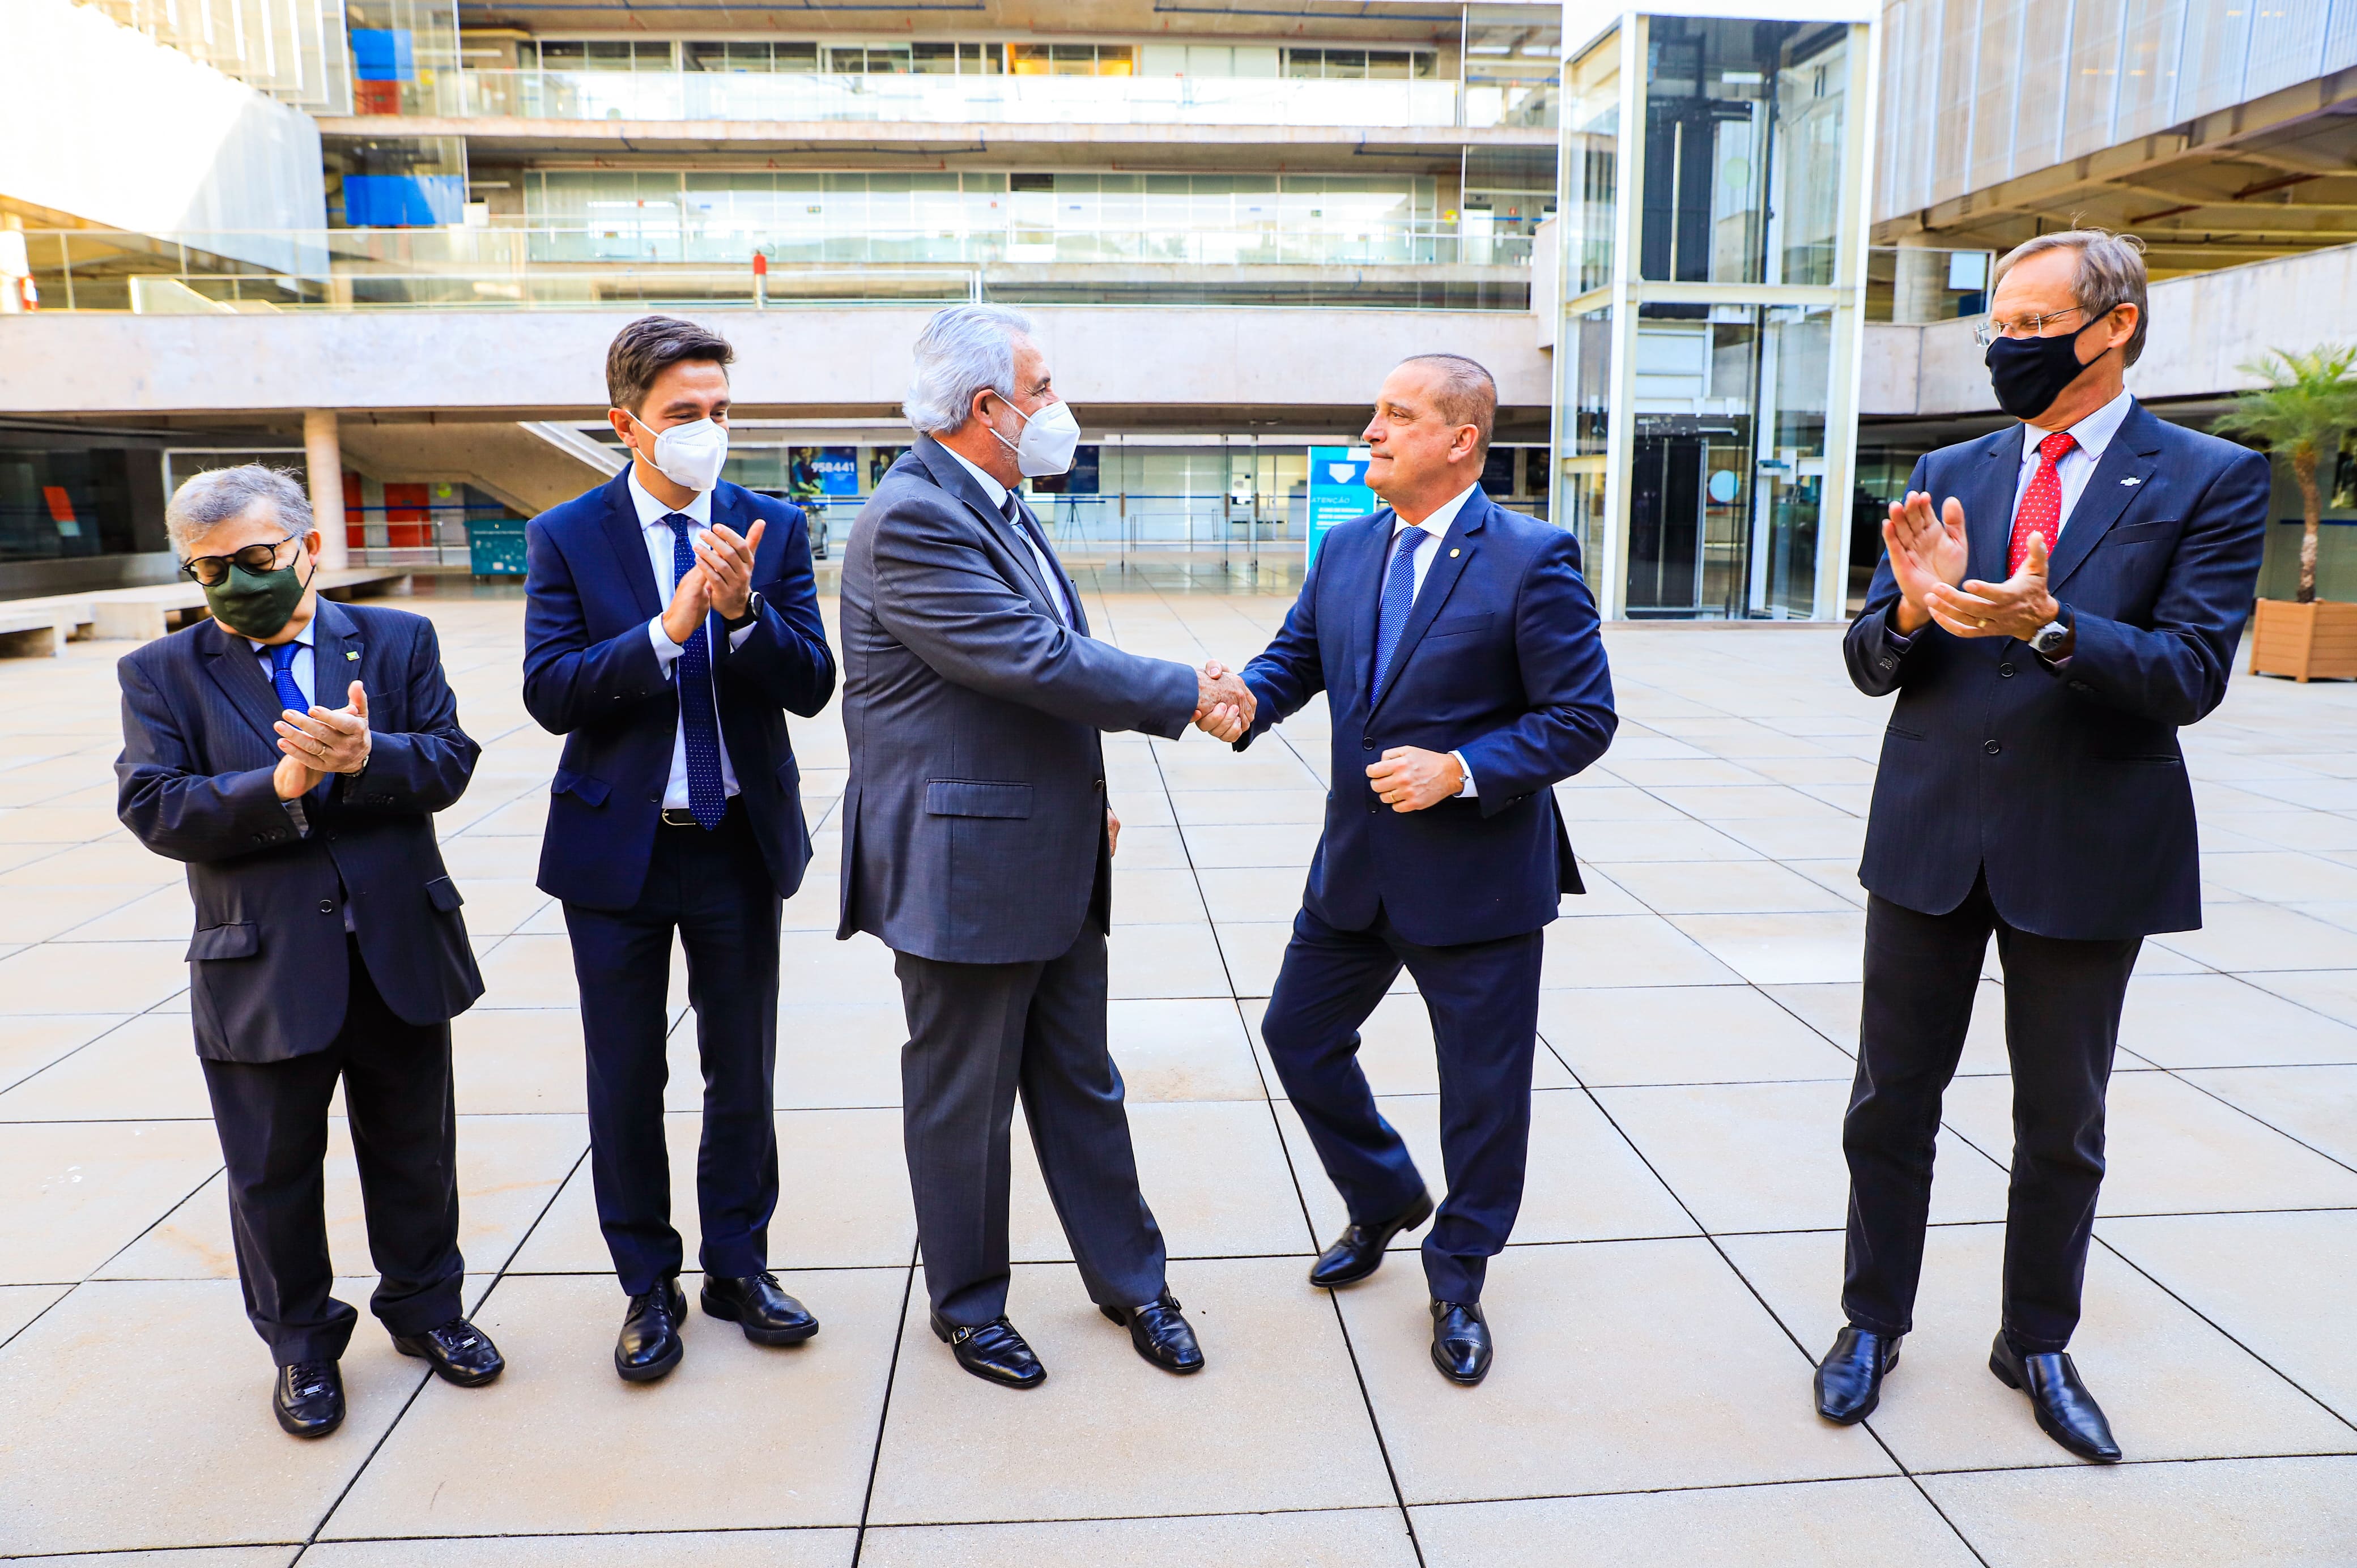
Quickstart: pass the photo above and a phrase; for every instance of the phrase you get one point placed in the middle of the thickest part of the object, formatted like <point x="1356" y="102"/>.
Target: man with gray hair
<point x="328" y="946"/>
<point x="2055" y="600"/>
<point x="978" y="840"/>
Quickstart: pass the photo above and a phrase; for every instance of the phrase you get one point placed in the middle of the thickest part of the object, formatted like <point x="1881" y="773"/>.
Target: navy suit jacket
<point x="268" y="965"/>
<point x="591" y="674"/>
<point x="2065" y="785"/>
<point x="1501" y="660"/>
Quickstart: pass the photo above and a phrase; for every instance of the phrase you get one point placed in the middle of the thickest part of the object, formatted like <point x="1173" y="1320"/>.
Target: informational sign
<point x="1338" y="489"/>
<point x="814" y="473"/>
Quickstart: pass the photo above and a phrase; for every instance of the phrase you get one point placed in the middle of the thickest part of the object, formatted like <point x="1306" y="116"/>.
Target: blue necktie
<point x="282" y="675"/>
<point x="707" y="798"/>
<point x="1399" y="598"/>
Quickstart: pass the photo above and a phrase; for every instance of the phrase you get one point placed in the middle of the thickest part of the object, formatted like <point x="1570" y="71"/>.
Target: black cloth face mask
<point x="2029" y="373"/>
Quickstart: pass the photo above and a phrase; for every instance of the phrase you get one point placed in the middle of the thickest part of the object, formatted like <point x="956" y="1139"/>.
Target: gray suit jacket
<point x="974" y="814"/>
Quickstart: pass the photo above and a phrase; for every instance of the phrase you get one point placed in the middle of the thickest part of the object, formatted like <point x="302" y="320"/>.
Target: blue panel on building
<point x="383" y="54"/>
<point x="403" y="201"/>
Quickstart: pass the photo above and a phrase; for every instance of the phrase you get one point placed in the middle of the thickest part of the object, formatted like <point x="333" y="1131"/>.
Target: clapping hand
<point x="727" y="559"/>
<point x="1224" y="705"/>
<point x="1928" y="551"/>
<point x="2018" y="607"/>
<point x="322" y="742"/>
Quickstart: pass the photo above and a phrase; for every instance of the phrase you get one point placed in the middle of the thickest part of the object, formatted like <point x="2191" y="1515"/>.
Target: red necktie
<point x="2041" y="503"/>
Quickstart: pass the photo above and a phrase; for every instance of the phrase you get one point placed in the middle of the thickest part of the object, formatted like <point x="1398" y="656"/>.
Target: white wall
<point x="105" y="123"/>
<point x="506" y="362"/>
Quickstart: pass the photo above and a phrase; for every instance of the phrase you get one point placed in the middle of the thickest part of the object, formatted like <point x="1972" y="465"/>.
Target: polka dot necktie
<point x="282" y="675"/>
<point x="707" y="798"/>
<point x="2042" y="504"/>
<point x="1399" y="598"/>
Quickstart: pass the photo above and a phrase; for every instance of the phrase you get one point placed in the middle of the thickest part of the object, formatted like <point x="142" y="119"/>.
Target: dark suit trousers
<point x="273" y="1120"/>
<point x="979" y="1035"/>
<point x="715" y="891"/>
<point x="1484" y="1002"/>
<point x="2063" y="1002"/>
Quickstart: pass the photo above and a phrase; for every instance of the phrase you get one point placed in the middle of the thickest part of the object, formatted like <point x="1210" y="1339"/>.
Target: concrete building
<point x="385" y="240"/>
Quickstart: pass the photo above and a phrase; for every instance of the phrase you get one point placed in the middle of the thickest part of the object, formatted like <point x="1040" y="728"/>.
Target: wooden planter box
<point x="2316" y="640"/>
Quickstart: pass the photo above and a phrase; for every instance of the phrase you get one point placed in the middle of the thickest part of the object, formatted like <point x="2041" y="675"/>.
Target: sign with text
<point x="1338" y="489"/>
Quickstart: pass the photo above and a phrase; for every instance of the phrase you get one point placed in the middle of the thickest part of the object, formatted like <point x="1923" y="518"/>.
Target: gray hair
<point x="2111" y="273"/>
<point x="964" y="349"/>
<point x="204" y="501"/>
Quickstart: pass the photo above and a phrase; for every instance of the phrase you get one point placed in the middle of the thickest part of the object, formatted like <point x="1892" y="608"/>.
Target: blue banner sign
<point x="1338" y="489"/>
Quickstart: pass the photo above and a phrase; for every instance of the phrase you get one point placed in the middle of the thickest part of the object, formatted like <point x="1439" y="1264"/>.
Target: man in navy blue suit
<point x="329" y="950"/>
<point x="2055" y="601"/>
<point x="671" y="623"/>
<point x="1465" y="676"/>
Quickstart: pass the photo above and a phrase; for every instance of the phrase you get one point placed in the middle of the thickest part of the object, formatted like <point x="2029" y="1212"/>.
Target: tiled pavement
<point x="1675" y="1267"/>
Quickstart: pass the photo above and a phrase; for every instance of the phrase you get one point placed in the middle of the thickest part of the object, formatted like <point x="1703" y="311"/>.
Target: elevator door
<point x="1665" y="526"/>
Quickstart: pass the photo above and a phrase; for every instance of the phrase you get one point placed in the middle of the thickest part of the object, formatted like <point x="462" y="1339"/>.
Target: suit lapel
<point x="1454" y="553"/>
<point x="1056" y="563"/>
<point x="1361" y="583"/>
<point x="2123" y="473"/>
<point x="630" y="545"/>
<point x="1987" y="495"/>
<point x="335" y="652"/>
<point x="231" y="660"/>
<point x="951" y="475"/>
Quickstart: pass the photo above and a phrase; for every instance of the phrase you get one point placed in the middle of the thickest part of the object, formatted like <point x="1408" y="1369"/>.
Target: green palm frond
<point x="2310" y="399"/>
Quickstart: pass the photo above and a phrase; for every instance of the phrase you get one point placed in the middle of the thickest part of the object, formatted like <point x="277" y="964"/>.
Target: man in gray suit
<point x="978" y="843"/>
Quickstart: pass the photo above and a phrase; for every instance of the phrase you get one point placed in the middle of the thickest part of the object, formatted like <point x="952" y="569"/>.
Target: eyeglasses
<point x="1989" y="331"/>
<point x="211" y="570"/>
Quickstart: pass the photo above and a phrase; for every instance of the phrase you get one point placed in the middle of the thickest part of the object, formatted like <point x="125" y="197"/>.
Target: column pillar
<point x="323" y="455"/>
<point x="1920" y="291"/>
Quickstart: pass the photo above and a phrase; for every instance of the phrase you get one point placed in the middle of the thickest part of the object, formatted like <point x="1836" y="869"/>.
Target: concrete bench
<point x="142" y="615"/>
<point x="37" y="632"/>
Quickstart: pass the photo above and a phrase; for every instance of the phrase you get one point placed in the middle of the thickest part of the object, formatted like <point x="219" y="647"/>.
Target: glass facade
<point x="1713" y="277"/>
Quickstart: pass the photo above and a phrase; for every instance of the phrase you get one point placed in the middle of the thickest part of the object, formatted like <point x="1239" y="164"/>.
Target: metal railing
<point x="641" y="264"/>
<point x="659" y="95"/>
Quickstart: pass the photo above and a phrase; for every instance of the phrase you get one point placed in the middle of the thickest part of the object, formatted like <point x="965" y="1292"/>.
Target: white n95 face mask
<point x="690" y="454"/>
<point x="1050" y="437"/>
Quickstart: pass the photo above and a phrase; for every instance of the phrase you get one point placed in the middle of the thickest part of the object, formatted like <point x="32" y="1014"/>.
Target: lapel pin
<point x="2131" y="481"/>
<point x="1454" y="554"/>
<point x="352" y="656"/>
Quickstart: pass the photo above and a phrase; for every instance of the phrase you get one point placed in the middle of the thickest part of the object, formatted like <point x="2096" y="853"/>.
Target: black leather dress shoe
<point x="308" y="1399"/>
<point x="759" y="1306"/>
<point x="1358" y="1251"/>
<point x="1849" y="1380"/>
<point x="1460" y="1341"/>
<point x="460" y="1352"/>
<point x="1160" y="1335"/>
<point x="648" y="1344"/>
<point x="994" y="1352"/>
<point x="2066" y="1412"/>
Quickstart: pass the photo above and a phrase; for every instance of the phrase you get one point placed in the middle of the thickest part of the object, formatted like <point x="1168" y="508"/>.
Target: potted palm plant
<point x="2307" y="406"/>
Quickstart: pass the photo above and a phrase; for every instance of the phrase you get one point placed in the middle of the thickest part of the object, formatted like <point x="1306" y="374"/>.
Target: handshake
<point x="1224" y="703"/>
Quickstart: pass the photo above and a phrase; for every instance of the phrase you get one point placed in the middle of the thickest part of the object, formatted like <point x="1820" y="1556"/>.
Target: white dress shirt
<point x="997" y="494"/>
<point x="1437" y="525"/>
<point x="660" y="547"/>
<point x="2092" y="434"/>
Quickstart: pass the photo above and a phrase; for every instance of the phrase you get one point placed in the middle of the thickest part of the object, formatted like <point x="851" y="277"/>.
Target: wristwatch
<point x="752" y="613"/>
<point x="2050" y="640"/>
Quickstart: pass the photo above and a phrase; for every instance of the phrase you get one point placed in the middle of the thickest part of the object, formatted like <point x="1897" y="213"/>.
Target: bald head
<point x="1463" y="393"/>
<point x="1430" y="432"/>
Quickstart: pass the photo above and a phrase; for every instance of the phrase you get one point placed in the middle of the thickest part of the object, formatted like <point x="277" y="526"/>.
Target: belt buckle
<point x="679" y="817"/>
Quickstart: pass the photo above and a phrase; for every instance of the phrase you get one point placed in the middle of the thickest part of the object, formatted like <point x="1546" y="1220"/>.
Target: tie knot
<point x="1412" y="539"/>
<point x="679" y="522"/>
<point x="282" y="655"/>
<point x="2054" y="448"/>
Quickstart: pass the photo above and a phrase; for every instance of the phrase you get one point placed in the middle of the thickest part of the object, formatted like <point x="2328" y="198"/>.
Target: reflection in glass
<point x="1743" y="136"/>
<point x="1727" y="462"/>
<point x="1591" y="144"/>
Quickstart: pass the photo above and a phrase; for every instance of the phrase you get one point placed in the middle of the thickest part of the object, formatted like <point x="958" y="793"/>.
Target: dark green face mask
<point x="257" y="604"/>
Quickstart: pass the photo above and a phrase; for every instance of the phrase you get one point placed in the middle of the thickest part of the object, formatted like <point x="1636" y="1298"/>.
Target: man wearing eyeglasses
<point x="2055" y="601"/>
<point x="329" y="947"/>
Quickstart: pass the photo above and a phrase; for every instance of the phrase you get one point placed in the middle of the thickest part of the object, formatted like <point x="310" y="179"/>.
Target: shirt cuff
<point x="1467" y="790"/>
<point x="295" y="811"/>
<point x="1901" y="640"/>
<point x="736" y="639"/>
<point x="666" y="651"/>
